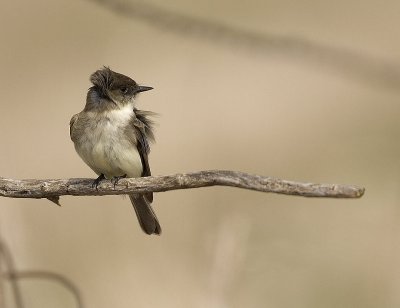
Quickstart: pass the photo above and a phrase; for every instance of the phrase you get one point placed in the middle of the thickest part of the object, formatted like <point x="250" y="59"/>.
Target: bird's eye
<point x="124" y="90"/>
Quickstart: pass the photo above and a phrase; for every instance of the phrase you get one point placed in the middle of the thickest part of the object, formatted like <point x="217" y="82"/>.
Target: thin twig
<point x="35" y="274"/>
<point x="11" y="269"/>
<point x="380" y="70"/>
<point x="34" y="188"/>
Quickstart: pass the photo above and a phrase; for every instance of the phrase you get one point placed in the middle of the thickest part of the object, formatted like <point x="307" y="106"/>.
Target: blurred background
<point x="302" y="90"/>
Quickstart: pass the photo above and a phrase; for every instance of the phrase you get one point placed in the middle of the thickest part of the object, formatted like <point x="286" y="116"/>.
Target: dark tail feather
<point x="145" y="214"/>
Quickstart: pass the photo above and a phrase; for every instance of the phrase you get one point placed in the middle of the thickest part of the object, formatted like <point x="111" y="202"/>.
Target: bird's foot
<point x="116" y="179"/>
<point x="97" y="181"/>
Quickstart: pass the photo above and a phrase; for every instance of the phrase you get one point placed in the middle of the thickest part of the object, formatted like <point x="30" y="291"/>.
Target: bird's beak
<point x="143" y="89"/>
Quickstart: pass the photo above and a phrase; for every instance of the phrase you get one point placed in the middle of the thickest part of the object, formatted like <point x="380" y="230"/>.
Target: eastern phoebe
<point x="112" y="137"/>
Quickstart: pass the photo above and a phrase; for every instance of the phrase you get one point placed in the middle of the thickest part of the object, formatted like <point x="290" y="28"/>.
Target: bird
<point x="112" y="136"/>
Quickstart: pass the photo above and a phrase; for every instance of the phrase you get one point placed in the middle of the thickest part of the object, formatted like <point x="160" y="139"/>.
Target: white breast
<point x="106" y="149"/>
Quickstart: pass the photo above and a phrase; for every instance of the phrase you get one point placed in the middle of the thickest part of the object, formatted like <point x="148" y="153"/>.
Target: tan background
<point x="220" y="107"/>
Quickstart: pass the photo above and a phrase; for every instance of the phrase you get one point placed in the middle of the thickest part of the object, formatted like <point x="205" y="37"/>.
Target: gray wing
<point x="71" y="126"/>
<point x="144" y="134"/>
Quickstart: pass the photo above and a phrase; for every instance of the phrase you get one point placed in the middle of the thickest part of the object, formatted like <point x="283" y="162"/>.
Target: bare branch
<point x="13" y="275"/>
<point x="7" y="258"/>
<point x="62" y="280"/>
<point x="378" y="70"/>
<point x="33" y="188"/>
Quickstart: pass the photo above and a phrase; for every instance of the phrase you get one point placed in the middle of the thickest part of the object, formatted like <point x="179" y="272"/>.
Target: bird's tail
<point x="145" y="214"/>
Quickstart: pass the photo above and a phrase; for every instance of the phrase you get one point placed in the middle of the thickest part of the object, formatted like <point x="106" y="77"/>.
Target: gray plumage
<point x="113" y="137"/>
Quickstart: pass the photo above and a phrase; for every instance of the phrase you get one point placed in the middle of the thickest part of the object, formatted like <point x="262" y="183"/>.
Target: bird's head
<point x="113" y="89"/>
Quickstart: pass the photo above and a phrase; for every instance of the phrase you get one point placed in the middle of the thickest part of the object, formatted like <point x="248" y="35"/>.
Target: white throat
<point x="121" y="115"/>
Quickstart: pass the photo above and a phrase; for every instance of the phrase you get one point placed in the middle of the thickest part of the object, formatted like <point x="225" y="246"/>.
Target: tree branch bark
<point x="53" y="188"/>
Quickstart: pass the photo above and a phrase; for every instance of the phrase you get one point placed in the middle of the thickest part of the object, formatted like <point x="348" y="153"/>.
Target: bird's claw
<point x="97" y="181"/>
<point x="116" y="179"/>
